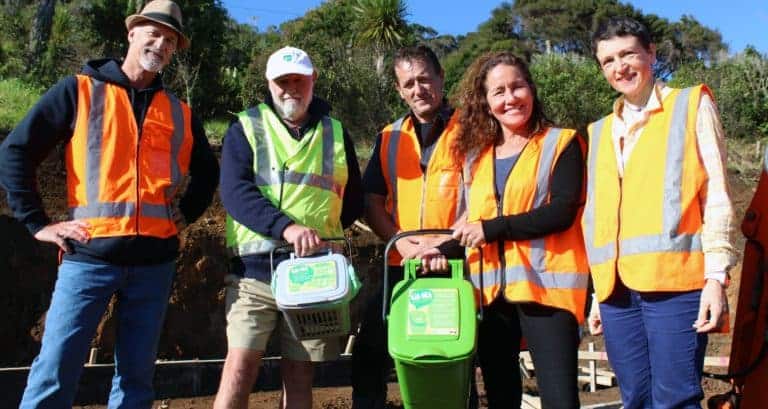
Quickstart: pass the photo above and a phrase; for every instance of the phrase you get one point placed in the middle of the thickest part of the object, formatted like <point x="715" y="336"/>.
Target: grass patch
<point x="16" y="98"/>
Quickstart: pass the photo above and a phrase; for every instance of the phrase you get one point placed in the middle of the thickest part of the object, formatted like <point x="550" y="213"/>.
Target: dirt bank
<point x="194" y="327"/>
<point x="195" y="324"/>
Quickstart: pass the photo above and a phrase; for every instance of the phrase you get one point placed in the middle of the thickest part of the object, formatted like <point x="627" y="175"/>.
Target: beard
<point x="290" y="109"/>
<point x="151" y="62"/>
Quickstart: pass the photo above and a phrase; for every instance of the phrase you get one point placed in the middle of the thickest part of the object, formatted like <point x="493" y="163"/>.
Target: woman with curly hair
<point x="524" y="183"/>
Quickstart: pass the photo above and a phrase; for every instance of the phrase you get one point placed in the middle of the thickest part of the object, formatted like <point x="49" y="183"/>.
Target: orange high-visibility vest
<point x="550" y="270"/>
<point x="646" y="227"/>
<point x="416" y="199"/>
<point x="122" y="180"/>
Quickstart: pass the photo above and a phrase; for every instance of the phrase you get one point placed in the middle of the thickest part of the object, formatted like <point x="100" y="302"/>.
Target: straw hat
<point x="163" y="12"/>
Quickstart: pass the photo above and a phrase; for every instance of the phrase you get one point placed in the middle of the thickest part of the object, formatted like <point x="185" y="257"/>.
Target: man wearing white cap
<point x="289" y="174"/>
<point x="129" y="144"/>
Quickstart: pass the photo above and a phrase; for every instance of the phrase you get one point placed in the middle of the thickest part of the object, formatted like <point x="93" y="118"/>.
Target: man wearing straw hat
<point x="129" y="145"/>
<point x="288" y="175"/>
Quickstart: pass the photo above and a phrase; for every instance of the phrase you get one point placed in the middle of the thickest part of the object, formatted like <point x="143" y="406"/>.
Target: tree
<point x="567" y="26"/>
<point x="442" y="45"/>
<point x="197" y="71"/>
<point x="501" y="32"/>
<point x="381" y="23"/>
<point x="682" y="42"/>
<point x="135" y="6"/>
<point x="41" y="30"/>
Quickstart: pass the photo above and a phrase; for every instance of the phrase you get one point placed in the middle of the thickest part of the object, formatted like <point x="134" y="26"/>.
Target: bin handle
<point x="287" y="245"/>
<point x="392" y="241"/>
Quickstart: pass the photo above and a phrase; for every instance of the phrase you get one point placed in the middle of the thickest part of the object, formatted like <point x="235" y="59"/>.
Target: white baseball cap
<point x="289" y="60"/>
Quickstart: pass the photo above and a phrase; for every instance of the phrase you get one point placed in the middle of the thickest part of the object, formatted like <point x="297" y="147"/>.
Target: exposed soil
<point x="195" y="324"/>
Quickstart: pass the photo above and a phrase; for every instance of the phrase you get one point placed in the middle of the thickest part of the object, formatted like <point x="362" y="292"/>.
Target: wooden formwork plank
<point x="601" y="380"/>
<point x="530" y="402"/>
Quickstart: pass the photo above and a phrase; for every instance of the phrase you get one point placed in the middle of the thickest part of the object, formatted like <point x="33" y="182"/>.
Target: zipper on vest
<point x="138" y="149"/>
<point x="423" y="198"/>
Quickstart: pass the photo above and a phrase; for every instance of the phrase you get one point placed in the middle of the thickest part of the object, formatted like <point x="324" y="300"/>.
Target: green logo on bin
<point x="421" y="298"/>
<point x="301" y="274"/>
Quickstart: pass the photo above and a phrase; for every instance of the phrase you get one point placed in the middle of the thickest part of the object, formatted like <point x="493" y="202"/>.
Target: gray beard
<point x="151" y="64"/>
<point x="289" y="110"/>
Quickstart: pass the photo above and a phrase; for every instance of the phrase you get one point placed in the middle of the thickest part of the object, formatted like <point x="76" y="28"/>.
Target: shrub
<point x="740" y="85"/>
<point x="572" y="89"/>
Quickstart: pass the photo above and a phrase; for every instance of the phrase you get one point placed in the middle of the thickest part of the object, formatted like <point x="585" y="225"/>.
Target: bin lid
<point x="432" y="319"/>
<point x="311" y="280"/>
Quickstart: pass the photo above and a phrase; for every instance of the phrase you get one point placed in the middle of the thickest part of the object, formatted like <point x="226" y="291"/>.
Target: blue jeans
<point x="80" y="298"/>
<point x="655" y="352"/>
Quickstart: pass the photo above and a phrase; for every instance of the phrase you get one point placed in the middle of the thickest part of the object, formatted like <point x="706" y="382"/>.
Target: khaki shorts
<point x="252" y="316"/>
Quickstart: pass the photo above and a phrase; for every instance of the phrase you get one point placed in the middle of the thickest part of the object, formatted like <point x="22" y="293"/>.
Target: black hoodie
<point x="52" y="121"/>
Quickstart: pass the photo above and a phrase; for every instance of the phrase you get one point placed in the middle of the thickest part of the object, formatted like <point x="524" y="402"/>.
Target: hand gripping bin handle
<point x="454" y="273"/>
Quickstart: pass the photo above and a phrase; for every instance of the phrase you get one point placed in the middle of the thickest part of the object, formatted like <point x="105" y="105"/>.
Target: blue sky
<point x="740" y="22"/>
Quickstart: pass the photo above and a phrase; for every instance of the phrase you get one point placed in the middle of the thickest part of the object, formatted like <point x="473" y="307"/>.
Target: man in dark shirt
<point x="412" y="181"/>
<point x="129" y="144"/>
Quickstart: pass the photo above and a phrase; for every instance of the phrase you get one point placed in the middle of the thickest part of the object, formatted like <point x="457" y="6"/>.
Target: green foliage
<point x="195" y="74"/>
<point x="16" y="98"/>
<point x="12" y="37"/>
<point x="572" y="89"/>
<point x="351" y="43"/>
<point x="71" y="43"/>
<point x="740" y="85"/>
<point x="216" y="128"/>
<point x="380" y="22"/>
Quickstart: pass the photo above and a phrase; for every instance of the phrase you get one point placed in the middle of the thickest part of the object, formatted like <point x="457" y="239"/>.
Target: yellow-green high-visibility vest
<point x="304" y="179"/>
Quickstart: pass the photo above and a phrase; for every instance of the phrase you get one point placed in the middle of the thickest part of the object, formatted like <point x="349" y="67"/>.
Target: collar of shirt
<point x="438" y="125"/>
<point x="629" y="121"/>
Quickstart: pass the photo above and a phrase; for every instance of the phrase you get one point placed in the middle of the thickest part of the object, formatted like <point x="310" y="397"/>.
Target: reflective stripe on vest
<point x="416" y="198"/>
<point x="394" y="143"/>
<point x="97" y="204"/>
<point x="669" y="240"/>
<point x="525" y="275"/>
<point x="271" y="172"/>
